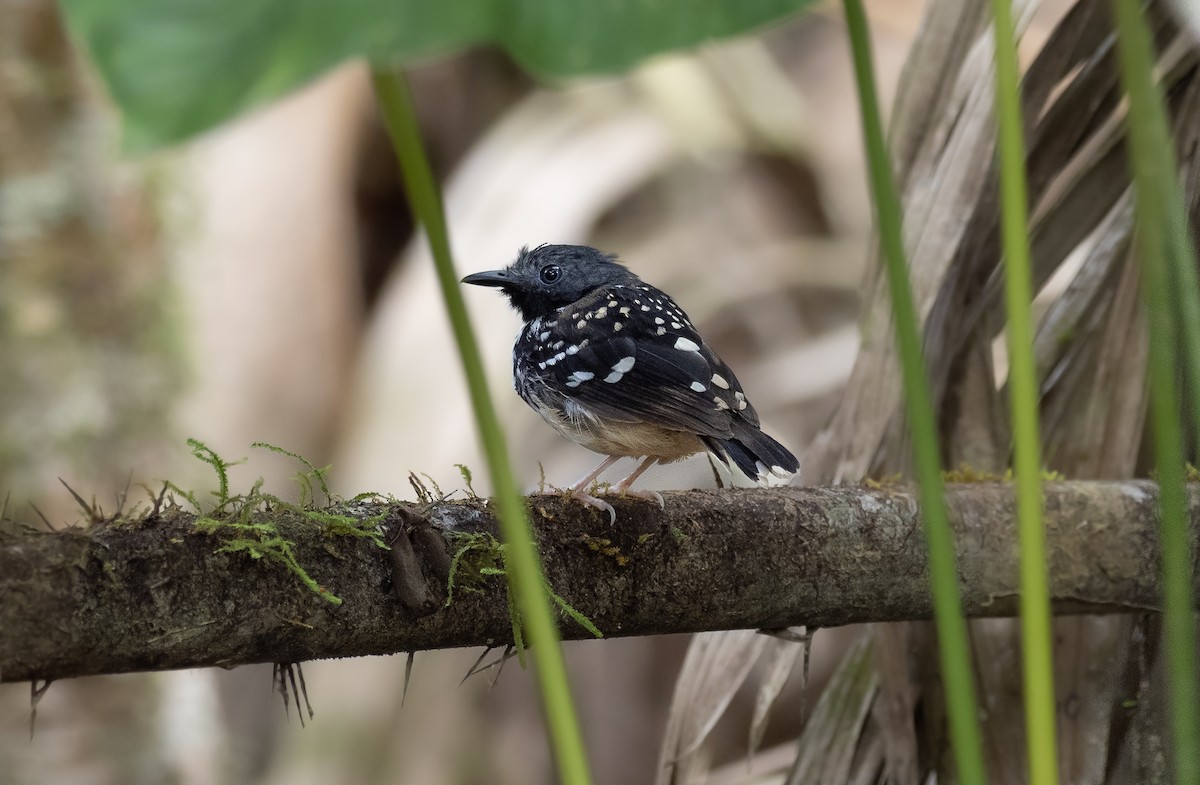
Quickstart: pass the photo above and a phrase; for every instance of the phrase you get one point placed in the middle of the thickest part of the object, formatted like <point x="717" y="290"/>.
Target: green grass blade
<point x="953" y="646"/>
<point x="1023" y="395"/>
<point x="1183" y="283"/>
<point x="521" y="558"/>
<point x="1162" y="230"/>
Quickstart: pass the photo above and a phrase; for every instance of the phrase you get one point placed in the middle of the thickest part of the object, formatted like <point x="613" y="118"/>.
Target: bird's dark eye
<point x="550" y="273"/>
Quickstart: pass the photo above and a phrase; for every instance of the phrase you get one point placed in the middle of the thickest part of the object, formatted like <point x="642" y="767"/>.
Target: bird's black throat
<point x="532" y="304"/>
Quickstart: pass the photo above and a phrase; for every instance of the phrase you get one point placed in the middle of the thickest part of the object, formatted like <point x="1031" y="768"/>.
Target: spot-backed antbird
<point x="615" y="365"/>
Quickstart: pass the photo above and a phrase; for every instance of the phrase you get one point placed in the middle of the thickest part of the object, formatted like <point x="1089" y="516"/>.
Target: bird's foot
<point x="653" y="496"/>
<point x="580" y="489"/>
<point x="592" y="501"/>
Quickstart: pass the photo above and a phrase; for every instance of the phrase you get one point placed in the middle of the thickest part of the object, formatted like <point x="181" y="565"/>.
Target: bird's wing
<point x="631" y="354"/>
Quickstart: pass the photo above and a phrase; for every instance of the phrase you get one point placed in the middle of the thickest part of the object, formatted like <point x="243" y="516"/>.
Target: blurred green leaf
<point x="179" y="67"/>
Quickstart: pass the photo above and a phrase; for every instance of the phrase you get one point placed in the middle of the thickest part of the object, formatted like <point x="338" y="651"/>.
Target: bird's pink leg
<point x="583" y="484"/>
<point x="579" y="489"/>
<point x="623" y="486"/>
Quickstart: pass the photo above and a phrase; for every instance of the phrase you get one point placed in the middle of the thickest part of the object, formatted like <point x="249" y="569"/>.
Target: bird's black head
<point x="550" y="276"/>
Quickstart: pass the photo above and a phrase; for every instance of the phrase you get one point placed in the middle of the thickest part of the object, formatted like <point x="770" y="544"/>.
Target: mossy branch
<point x="158" y="593"/>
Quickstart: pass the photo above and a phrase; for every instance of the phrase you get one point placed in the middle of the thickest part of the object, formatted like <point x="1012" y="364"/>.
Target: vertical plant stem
<point x="521" y="558"/>
<point x="1160" y="224"/>
<point x="953" y="646"/>
<point x="1183" y="285"/>
<point x="1023" y="396"/>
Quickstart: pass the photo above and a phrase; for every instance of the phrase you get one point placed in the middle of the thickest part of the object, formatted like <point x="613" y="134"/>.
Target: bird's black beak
<point x="489" y="278"/>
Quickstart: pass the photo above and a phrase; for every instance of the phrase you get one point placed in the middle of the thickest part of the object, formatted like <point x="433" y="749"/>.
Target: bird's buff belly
<point x="609" y="437"/>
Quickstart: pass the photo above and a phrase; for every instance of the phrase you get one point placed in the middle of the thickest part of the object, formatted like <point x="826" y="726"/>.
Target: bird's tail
<point x="755" y="453"/>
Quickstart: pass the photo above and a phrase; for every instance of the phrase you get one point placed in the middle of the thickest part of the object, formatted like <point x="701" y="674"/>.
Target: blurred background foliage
<point x="156" y="57"/>
<point x="263" y="283"/>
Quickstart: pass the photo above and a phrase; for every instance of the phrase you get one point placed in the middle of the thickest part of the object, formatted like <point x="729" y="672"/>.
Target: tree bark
<point x="156" y="594"/>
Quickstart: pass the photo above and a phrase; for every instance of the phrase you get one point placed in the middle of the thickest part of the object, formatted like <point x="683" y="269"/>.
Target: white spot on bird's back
<point x="686" y="345"/>
<point x="658" y="320"/>
<point x="719" y="380"/>
<point x="617" y="327"/>
<point x="699" y="386"/>
<point x="572" y="349"/>
<point x="579" y="377"/>
<point x="622" y="367"/>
